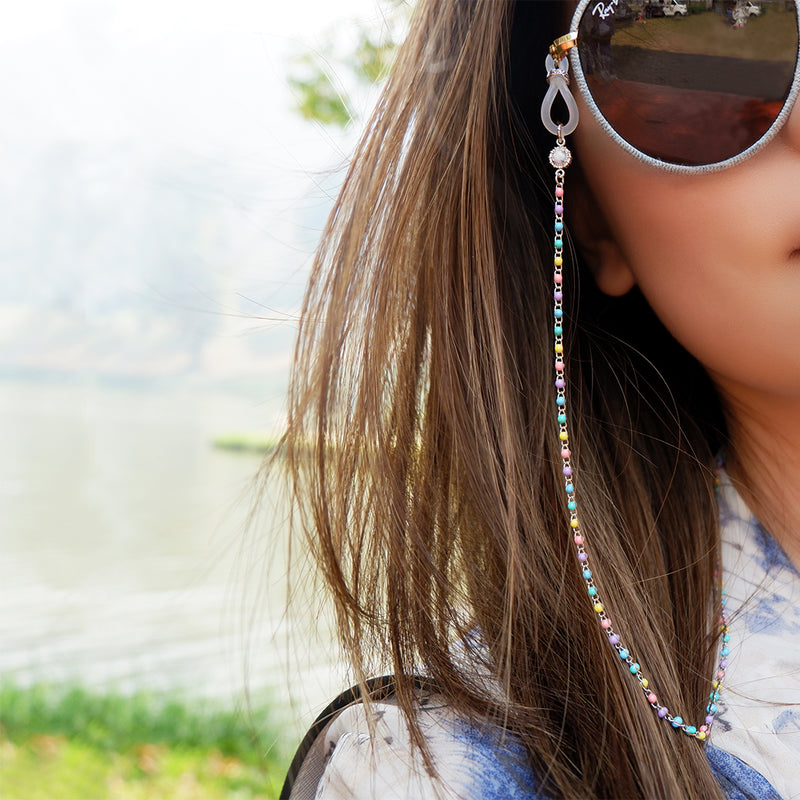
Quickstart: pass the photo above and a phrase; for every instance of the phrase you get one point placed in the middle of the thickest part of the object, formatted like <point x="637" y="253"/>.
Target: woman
<point x="456" y="499"/>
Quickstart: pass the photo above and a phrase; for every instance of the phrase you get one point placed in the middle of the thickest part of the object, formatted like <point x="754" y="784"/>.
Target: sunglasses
<point x="685" y="86"/>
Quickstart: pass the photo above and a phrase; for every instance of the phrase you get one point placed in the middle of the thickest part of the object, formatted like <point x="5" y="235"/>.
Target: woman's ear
<point x="603" y="255"/>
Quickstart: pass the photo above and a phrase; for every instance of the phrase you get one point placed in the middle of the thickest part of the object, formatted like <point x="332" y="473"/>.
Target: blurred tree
<point x="325" y="81"/>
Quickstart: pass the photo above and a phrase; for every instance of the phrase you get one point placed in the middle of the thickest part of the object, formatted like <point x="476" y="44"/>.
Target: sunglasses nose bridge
<point x="791" y="128"/>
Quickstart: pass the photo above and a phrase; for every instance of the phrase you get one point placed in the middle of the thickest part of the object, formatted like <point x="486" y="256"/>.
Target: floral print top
<point x="754" y="747"/>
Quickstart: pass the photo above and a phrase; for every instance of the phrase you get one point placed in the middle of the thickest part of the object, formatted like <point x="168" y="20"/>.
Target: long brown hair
<point x="422" y="444"/>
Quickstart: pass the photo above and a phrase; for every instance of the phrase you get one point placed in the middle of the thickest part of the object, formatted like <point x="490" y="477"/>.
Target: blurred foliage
<point x="74" y="743"/>
<point x="325" y="81"/>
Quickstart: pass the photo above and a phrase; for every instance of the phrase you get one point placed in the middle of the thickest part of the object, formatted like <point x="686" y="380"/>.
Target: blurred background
<point x="165" y="171"/>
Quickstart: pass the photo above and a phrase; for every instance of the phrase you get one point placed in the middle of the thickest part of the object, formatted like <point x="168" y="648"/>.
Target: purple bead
<point x="662" y="712"/>
<point x="557" y="295"/>
<point x="614" y="639"/>
<point x="723" y="663"/>
<point x="582" y="556"/>
<point x="560" y="383"/>
<point x="567" y="471"/>
<point x="559" y="208"/>
<point x="709" y="720"/>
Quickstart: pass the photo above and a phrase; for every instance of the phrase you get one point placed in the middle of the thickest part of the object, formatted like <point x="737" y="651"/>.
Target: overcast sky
<point x="197" y="74"/>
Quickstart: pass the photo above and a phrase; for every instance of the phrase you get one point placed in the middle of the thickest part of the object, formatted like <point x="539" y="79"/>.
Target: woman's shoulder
<point x="365" y="751"/>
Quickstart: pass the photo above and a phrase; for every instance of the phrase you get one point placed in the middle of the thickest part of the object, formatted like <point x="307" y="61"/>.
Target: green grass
<point x="74" y="743"/>
<point x="246" y="443"/>
<point x="767" y="37"/>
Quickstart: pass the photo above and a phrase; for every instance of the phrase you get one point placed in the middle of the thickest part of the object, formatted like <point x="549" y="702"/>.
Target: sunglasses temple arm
<point x="558" y="83"/>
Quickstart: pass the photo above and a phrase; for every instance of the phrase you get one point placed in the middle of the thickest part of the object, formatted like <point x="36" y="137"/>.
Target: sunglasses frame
<point x="580" y="79"/>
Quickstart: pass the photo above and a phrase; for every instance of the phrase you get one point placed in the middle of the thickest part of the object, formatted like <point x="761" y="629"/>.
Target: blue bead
<point x="587" y="573"/>
<point x="634" y="668"/>
<point x="726" y="651"/>
<point x="592" y="591"/>
<point x="559" y="226"/>
<point x="690" y="730"/>
<point x="558" y="313"/>
<point x="558" y="330"/>
<point x="569" y="488"/>
<point x="677" y="722"/>
<point x="560" y="401"/>
<point x="558" y="243"/>
<point x="726" y="638"/>
<point x="562" y="418"/>
<point x="623" y="653"/>
<point x="572" y="505"/>
<point x="712" y="709"/>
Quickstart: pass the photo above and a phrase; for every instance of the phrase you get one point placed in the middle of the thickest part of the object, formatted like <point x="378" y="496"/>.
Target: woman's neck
<point x="763" y="460"/>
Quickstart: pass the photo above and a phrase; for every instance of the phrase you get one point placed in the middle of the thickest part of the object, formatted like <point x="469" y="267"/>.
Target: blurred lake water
<point x="124" y="557"/>
<point x="161" y="202"/>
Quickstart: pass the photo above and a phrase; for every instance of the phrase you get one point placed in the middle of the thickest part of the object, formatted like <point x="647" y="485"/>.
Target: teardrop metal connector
<point x="558" y="80"/>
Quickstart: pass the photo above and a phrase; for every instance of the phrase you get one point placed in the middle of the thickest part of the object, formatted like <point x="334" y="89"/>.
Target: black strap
<point x="377" y="689"/>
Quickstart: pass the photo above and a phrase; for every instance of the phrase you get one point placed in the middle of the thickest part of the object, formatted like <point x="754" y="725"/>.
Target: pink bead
<point x="559" y="192"/>
<point x="605" y="624"/>
<point x="652" y="699"/>
<point x="578" y="539"/>
<point x="566" y="453"/>
<point x="721" y="674"/>
<point x="703" y="728"/>
<point x="558" y="277"/>
<point x="559" y="365"/>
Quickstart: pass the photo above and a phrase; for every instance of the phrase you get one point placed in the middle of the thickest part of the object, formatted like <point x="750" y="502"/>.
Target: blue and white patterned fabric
<point x="754" y="747"/>
<point x="759" y="717"/>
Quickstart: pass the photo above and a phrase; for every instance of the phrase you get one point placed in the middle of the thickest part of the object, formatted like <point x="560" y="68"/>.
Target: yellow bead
<point x="563" y="435"/>
<point x="645" y="683"/>
<point x="598" y="607"/>
<point x="701" y="735"/>
<point x="715" y="684"/>
<point x="558" y="261"/>
<point x="574" y="523"/>
<point x="559" y="348"/>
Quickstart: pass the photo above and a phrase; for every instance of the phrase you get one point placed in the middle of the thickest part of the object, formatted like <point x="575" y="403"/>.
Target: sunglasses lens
<point x="690" y="88"/>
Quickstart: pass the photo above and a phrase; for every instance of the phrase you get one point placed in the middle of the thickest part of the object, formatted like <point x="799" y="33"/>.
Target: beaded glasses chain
<point x="560" y="158"/>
